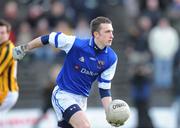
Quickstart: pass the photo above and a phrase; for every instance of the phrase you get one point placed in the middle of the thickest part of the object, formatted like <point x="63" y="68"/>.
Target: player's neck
<point x="99" y="45"/>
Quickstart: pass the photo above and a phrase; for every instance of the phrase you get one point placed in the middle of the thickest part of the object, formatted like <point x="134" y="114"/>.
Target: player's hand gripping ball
<point x="118" y="112"/>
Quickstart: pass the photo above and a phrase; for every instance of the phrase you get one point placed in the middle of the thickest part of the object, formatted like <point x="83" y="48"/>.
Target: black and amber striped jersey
<point x="8" y="69"/>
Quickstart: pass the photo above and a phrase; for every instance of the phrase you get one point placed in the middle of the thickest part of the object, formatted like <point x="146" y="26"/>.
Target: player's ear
<point x="95" y="34"/>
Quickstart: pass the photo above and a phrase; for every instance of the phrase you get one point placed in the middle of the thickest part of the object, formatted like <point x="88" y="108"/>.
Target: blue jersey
<point x="83" y="64"/>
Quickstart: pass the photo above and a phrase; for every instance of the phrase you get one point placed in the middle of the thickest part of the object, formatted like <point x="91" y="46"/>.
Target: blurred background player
<point x="176" y="87"/>
<point x="141" y="93"/>
<point x="86" y="61"/>
<point x="8" y="84"/>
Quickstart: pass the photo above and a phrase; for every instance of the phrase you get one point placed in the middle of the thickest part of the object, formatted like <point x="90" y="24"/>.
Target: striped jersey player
<point x="9" y="90"/>
<point x="87" y="60"/>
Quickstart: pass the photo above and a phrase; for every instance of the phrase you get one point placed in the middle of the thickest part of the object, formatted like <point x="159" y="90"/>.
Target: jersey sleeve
<point x="61" y="41"/>
<point x="104" y="81"/>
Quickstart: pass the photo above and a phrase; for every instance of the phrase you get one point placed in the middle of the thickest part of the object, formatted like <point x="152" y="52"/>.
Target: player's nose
<point x="112" y="36"/>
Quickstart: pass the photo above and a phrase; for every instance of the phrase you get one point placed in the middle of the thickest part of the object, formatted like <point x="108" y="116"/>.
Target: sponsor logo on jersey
<point x="87" y="72"/>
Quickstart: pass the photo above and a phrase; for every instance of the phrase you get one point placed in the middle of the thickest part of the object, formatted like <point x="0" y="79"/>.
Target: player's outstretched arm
<point x="106" y="101"/>
<point x="20" y="51"/>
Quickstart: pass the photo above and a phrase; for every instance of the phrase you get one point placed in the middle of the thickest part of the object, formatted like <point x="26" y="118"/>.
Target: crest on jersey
<point x="100" y="64"/>
<point x="81" y="59"/>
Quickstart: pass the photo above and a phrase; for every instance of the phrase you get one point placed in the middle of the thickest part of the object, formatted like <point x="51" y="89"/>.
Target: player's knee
<point x="83" y="125"/>
<point x="79" y="121"/>
<point x="86" y="125"/>
<point x="76" y="117"/>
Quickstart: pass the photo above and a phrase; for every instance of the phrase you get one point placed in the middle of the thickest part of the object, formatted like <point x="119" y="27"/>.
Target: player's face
<point x="4" y="34"/>
<point x="105" y="34"/>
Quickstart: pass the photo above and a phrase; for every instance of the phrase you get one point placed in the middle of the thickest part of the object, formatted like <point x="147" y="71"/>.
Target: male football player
<point x="87" y="60"/>
<point x="8" y="84"/>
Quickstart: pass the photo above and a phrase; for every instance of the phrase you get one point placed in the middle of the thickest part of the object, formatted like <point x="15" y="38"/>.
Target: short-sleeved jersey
<point x="8" y="68"/>
<point x="83" y="64"/>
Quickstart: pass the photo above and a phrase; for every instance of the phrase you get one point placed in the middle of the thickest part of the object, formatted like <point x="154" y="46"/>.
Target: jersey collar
<point x="5" y="43"/>
<point x="95" y="47"/>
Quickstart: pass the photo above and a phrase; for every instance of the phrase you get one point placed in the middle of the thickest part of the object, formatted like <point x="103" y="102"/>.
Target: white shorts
<point x="62" y="100"/>
<point x="9" y="101"/>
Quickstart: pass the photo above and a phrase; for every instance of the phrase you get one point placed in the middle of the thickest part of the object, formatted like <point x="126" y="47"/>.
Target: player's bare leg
<point x="79" y="120"/>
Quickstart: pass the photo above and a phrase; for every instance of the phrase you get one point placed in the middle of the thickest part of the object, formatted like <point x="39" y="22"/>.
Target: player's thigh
<point x="79" y="120"/>
<point x="63" y="102"/>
